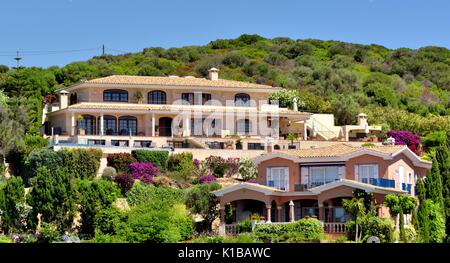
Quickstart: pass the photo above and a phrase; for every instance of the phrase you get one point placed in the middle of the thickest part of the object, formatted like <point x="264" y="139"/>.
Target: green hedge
<point x="158" y="158"/>
<point x="175" y="161"/>
<point x="120" y="161"/>
<point x="305" y="229"/>
<point x="244" y="226"/>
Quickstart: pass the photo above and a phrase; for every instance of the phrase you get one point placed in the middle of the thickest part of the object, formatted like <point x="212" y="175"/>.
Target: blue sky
<point x="131" y="25"/>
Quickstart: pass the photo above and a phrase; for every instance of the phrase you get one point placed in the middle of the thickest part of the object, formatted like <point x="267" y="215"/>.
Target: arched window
<point x="157" y="97"/>
<point x="244" y="126"/>
<point x="242" y="100"/>
<point x="127" y="125"/>
<point x="115" y="95"/>
<point x="88" y="124"/>
<point x="109" y="125"/>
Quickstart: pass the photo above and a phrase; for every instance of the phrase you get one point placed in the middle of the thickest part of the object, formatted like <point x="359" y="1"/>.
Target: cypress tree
<point x="434" y="183"/>
<point x="443" y="158"/>
<point x="422" y="219"/>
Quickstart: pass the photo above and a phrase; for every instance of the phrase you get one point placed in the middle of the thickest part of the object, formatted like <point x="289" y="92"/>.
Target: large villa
<point x="308" y="176"/>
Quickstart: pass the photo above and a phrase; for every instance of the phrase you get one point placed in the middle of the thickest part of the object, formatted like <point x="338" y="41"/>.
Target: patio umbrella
<point x="291" y="211"/>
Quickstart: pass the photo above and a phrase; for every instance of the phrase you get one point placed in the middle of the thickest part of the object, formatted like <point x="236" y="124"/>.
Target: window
<point x="127" y="126"/>
<point x="157" y="97"/>
<point x="278" y="177"/>
<point x="242" y="100"/>
<point x="255" y="146"/>
<point x="188" y="98"/>
<point x="115" y="95"/>
<point x="324" y="174"/>
<point x="244" y="126"/>
<point x="109" y="125"/>
<point x="367" y="172"/>
<point x="88" y="124"/>
<point x="340" y="215"/>
<point x="206" y="98"/>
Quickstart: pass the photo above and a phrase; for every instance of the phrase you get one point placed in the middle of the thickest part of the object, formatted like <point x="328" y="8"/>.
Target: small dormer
<point x="213" y="74"/>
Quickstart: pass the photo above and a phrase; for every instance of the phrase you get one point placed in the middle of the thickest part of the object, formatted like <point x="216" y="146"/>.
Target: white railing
<point x="231" y="229"/>
<point x="335" y="228"/>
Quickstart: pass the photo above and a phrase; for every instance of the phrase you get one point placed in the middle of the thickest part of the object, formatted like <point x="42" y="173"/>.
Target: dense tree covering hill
<point x="329" y="75"/>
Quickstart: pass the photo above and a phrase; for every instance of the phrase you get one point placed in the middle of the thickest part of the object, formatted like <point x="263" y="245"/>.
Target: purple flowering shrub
<point x="208" y="178"/>
<point x="233" y="166"/>
<point x="143" y="171"/>
<point x="252" y="181"/>
<point x="407" y="138"/>
<point x="196" y="163"/>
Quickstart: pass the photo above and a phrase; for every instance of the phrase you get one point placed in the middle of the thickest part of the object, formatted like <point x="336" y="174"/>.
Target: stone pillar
<point x="269" y="213"/>
<point x="153" y="125"/>
<point x="222" y="231"/>
<point x="102" y="125"/>
<point x="72" y="124"/>
<point x="305" y="131"/>
<point x="321" y="212"/>
<point x="279" y="208"/>
<point x="291" y="211"/>
<point x="186" y="125"/>
<point x="330" y="213"/>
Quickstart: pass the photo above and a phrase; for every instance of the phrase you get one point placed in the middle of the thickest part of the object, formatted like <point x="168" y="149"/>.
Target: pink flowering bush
<point x="143" y="171"/>
<point x="407" y="138"/>
<point x="252" y="181"/>
<point x="207" y="178"/>
<point x="196" y="163"/>
<point x="233" y="166"/>
<point x="125" y="182"/>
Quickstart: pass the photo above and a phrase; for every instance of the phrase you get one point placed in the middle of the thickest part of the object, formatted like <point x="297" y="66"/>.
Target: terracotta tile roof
<point x="340" y="150"/>
<point x="175" y="81"/>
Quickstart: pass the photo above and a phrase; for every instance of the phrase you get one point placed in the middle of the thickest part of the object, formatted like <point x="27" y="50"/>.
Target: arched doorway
<point x="165" y="126"/>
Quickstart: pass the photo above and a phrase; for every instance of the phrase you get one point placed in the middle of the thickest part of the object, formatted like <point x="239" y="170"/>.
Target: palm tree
<point x="356" y="208"/>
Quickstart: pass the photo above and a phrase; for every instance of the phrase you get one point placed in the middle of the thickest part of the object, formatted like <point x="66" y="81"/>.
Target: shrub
<point x="383" y="228"/>
<point x="108" y="221"/>
<point x="174" y="161"/>
<point x="308" y="228"/>
<point x="271" y="232"/>
<point x="200" y="200"/>
<point x="125" y="182"/>
<point x="234" y="59"/>
<point x="158" y="158"/>
<point x="5" y="239"/>
<point x="244" y="226"/>
<point x="143" y="171"/>
<point x="217" y="165"/>
<point x="109" y="173"/>
<point x="368" y="144"/>
<point x="207" y="179"/>
<point x="48" y="233"/>
<point x="410" y="234"/>
<point x="142" y="193"/>
<point x="84" y="163"/>
<point x="120" y="161"/>
<point x="41" y="158"/>
<point x="248" y="170"/>
<point x="233" y="166"/>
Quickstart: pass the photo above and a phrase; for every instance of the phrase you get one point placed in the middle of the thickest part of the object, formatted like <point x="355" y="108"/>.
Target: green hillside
<point x="402" y="88"/>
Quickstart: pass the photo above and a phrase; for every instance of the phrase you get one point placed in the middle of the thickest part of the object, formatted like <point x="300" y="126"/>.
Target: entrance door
<point x="165" y="126"/>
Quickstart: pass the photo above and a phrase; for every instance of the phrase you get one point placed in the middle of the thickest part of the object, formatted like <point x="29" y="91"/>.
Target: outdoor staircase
<point x="322" y="130"/>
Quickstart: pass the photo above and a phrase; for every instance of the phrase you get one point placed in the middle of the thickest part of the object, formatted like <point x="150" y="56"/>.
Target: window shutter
<point x="356" y="172"/>
<point x="305" y="175"/>
<point x="376" y="171"/>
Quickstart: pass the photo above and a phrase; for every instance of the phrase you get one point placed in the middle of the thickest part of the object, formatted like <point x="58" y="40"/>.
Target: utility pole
<point x="18" y="58"/>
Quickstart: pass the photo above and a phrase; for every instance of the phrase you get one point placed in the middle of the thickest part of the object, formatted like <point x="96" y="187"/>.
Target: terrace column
<point x="102" y="128"/>
<point x="186" y="125"/>
<point x="291" y="212"/>
<point x="153" y="125"/>
<point x="321" y="212"/>
<point x="269" y="213"/>
<point x="305" y="131"/>
<point x="330" y="212"/>
<point x="222" y="230"/>
<point x="279" y="213"/>
<point x="72" y="124"/>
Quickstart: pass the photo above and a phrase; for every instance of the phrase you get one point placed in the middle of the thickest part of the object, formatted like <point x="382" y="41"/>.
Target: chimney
<point x="213" y="74"/>
<point x="63" y="99"/>
<point x="362" y="120"/>
<point x="390" y="141"/>
<point x="269" y="145"/>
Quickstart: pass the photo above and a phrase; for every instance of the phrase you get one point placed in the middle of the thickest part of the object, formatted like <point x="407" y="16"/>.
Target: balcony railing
<point x="406" y="187"/>
<point x="379" y="182"/>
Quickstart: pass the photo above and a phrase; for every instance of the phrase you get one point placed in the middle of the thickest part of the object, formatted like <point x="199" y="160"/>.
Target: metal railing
<point x="379" y="182"/>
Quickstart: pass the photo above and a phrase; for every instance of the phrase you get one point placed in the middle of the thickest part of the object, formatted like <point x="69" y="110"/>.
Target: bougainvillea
<point x="143" y="171"/>
<point x="407" y="138"/>
<point x="252" y="181"/>
<point x="120" y="161"/>
<point x="207" y="178"/>
<point x="196" y="163"/>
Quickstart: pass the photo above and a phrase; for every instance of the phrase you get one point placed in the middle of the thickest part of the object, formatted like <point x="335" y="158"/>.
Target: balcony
<point x="406" y="187"/>
<point x="379" y="182"/>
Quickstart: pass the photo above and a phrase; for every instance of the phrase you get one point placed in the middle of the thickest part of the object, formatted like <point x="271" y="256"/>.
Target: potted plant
<point x="138" y="97"/>
<point x="291" y="137"/>
<point x="185" y="143"/>
<point x="81" y="130"/>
